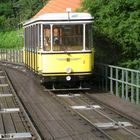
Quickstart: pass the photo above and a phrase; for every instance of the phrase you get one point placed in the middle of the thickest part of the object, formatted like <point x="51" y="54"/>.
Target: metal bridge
<point x="119" y="81"/>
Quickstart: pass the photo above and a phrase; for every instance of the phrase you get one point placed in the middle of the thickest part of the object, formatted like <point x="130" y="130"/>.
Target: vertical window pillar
<point x="38" y="45"/>
<point x="25" y="35"/>
<point x="91" y="37"/>
<point x="41" y="36"/>
<point x="51" y="37"/>
<point x="84" y="37"/>
<point x="30" y="38"/>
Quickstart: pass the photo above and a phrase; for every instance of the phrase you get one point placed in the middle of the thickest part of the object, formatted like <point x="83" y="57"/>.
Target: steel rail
<point x="90" y="122"/>
<point x="82" y="116"/>
<point x="101" y="113"/>
<point x="112" y="109"/>
<point x="109" y="118"/>
<point x="106" y="116"/>
<point x="22" y="107"/>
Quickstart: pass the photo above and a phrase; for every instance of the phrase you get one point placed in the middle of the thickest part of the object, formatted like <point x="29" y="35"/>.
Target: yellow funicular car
<point x="58" y="47"/>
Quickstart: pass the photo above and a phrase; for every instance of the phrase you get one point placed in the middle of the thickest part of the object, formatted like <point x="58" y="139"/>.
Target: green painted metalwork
<point x="122" y="82"/>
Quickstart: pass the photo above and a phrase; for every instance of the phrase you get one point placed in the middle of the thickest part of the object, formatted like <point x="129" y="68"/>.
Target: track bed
<point x="52" y="119"/>
<point x="14" y="124"/>
<point x="55" y="117"/>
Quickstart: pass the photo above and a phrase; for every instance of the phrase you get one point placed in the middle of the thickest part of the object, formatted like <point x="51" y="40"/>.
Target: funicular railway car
<point x="59" y="48"/>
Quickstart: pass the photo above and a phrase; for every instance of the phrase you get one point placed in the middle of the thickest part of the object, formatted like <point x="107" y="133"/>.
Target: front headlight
<point x="68" y="69"/>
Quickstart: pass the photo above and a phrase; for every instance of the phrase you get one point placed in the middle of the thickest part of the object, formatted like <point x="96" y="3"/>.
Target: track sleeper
<point x="9" y="110"/>
<point x="5" y="95"/>
<point x="24" y="135"/>
<point x="86" y="107"/>
<point x="4" y="85"/>
<point x="112" y="125"/>
<point x="2" y="77"/>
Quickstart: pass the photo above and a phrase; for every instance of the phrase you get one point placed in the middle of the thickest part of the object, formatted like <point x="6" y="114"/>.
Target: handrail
<point x="119" y="81"/>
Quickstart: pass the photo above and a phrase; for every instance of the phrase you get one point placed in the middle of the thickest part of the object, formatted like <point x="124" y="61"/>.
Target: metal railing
<point x="119" y="81"/>
<point x="11" y="55"/>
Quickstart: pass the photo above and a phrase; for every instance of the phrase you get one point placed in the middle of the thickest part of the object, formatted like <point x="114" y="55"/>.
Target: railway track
<point x="14" y="121"/>
<point x="105" y="123"/>
<point x="53" y="121"/>
<point x="110" y="123"/>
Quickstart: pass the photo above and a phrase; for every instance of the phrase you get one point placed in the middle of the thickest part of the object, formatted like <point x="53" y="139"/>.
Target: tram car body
<point x="58" y="46"/>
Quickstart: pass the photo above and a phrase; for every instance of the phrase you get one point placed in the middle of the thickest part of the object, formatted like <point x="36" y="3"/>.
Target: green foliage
<point x="5" y="13"/>
<point x="117" y="24"/>
<point x="28" y="8"/>
<point x="2" y="22"/>
<point x="13" y="12"/>
<point x="10" y="39"/>
<point x="5" y="8"/>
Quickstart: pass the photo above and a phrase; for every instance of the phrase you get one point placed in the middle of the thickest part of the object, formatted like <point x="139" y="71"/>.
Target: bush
<point x="117" y="26"/>
<point x="10" y="39"/>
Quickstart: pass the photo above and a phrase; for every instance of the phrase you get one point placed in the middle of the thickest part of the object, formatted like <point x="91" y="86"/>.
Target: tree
<point x="28" y="8"/>
<point x="13" y="12"/>
<point x="117" y="24"/>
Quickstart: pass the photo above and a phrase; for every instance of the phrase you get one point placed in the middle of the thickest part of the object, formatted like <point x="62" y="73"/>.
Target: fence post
<point x="123" y="84"/>
<point x="106" y="78"/>
<point x="137" y="89"/>
<point x="117" y="93"/>
<point x="126" y="86"/>
<point x="111" y="81"/>
<point x="132" y="88"/>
